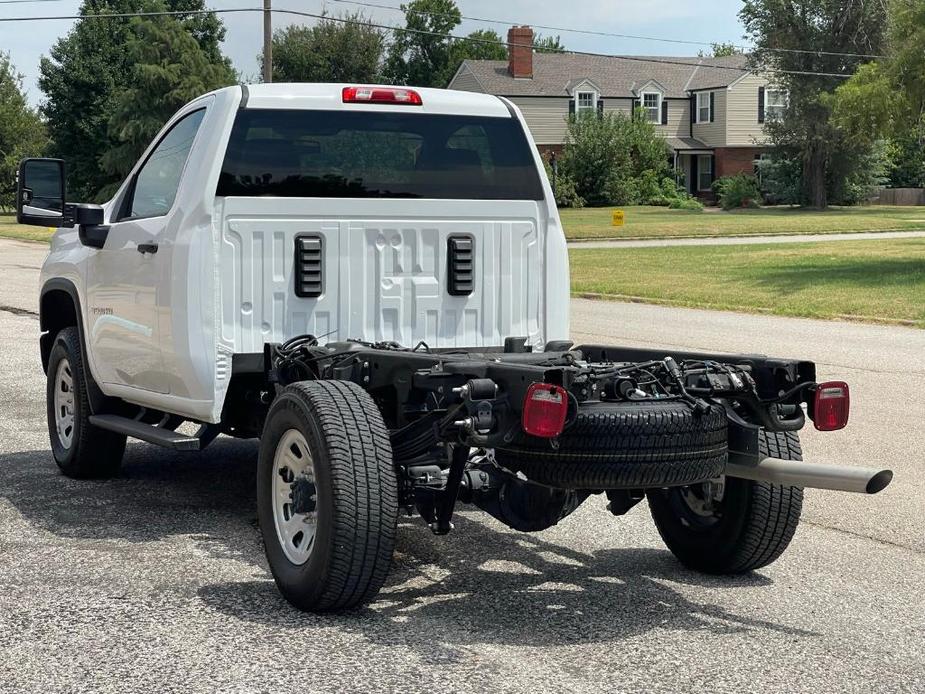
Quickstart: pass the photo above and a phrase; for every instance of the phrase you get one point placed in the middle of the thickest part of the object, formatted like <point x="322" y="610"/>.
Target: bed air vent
<point x="308" y="279"/>
<point x="460" y="271"/>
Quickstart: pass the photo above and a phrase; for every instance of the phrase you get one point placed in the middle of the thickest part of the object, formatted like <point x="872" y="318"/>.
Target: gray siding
<point x="679" y="119"/>
<point x="546" y="117"/>
<point x="616" y="105"/>
<point x="714" y="134"/>
<point x="465" y="81"/>
<point x="742" y="126"/>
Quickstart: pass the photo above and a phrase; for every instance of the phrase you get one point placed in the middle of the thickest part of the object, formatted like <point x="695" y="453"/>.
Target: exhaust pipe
<point x="796" y="473"/>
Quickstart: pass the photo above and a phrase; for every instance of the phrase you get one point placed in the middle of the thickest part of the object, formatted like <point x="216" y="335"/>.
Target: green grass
<point x="660" y="222"/>
<point x="881" y="280"/>
<point x="9" y="229"/>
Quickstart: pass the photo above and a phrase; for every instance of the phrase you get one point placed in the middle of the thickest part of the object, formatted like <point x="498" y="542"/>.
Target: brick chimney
<point x="520" y="52"/>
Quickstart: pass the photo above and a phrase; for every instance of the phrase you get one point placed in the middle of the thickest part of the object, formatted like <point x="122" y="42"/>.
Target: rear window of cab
<point x="363" y="154"/>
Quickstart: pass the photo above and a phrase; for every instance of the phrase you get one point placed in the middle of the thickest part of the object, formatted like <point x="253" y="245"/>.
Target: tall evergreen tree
<point x="169" y="68"/>
<point x="87" y="70"/>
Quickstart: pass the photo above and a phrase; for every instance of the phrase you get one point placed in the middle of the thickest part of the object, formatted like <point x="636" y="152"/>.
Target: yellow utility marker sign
<point x="617" y="218"/>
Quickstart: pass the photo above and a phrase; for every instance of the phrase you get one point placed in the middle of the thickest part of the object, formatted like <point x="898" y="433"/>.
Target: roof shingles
<point x="617" y="76"/>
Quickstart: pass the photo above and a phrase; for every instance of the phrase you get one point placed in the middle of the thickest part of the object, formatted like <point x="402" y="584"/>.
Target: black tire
<point x="750" y="526"/>
<point x="356" y="495"/>
<point x="82" y="450"/>
<point x="625" y="445"/>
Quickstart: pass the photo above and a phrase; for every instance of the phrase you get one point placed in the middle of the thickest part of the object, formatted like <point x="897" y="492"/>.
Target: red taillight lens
<point x="545" y="408"/>
<point x="831" y="405"/>
<point x="381" y="95"/>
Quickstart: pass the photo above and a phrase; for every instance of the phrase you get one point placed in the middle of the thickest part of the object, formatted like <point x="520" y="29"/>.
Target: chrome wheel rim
<point x="294" y="497"/>
<point x="64" y="403"/>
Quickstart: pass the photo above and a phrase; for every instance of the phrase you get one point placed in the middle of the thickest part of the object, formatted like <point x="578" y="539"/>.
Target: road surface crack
<point x="863" y="536"/>
<point x="16" y="311"/>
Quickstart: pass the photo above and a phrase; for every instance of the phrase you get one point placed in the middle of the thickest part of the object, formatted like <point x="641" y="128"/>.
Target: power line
<point x="421" y="32"/>
<point x="607" y="34"/>
<point x="665" y="61"/>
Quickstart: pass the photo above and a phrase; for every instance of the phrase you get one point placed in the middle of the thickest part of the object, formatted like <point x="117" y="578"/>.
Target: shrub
<point x="613" y="160"/>
<point x="563" y="186"/>
<point x="740" y="190"/>
<point x="687" y="203"/>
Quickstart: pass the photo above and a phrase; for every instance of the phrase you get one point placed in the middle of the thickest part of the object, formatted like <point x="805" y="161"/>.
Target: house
<point x="711" y="111"/>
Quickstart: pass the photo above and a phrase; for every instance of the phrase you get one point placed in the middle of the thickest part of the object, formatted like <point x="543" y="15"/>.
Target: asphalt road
<point x="156" y="582"/>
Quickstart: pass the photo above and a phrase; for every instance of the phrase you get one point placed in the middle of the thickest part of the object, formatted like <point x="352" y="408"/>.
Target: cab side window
<point x="156" y="183"/>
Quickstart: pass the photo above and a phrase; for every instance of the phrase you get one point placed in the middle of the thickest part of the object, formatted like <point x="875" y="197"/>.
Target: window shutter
<point x="761" y="104"/>
<point x="712" y="169"/>
<point x="600" y="108"/>
<point x="664" y="111"/>
<point x="712" y="106"/>
<point x="693" y="109"/>
<point x="571" y="107"/>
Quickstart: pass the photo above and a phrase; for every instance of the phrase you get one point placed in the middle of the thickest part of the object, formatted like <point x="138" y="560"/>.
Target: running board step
<point x="146" y="432"/>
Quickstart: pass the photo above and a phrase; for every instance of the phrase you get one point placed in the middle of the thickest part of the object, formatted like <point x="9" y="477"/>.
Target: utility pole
<point x="267" y="41"/>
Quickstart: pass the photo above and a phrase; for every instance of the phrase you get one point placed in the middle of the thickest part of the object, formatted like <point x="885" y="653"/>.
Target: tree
<point x="420" y="55"/>
<point x="344" y="49"/>
<point x="22" y="133"/>
<point x="85" y="72"/>
<point x="547" y="44"/>
<point x="886" y="98"/>
<point x="832" y="27"/>
<point x="483" y="44"/>
<point x="722" y="50"/>
<point x="169" y="69"/>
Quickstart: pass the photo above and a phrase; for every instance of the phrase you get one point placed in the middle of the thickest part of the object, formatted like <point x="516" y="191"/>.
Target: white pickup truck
<point x="374" y="281"/>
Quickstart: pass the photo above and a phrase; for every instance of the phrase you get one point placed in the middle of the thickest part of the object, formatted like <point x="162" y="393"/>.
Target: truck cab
<point x="268" y="211"/>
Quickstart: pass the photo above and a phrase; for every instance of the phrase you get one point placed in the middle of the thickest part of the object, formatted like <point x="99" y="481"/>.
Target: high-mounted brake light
<point x="381" y="95"/>
<point x="545" y="407"/>
<point x="831" y="405"/>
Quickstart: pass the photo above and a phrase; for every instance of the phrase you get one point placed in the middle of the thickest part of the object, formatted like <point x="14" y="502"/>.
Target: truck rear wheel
<point x="327" y="495"/>
<point x="80" y="449"/>
<point x="730" y="525"/>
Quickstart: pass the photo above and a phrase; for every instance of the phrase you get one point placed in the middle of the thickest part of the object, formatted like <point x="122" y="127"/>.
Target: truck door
<point x="124" y="276"/>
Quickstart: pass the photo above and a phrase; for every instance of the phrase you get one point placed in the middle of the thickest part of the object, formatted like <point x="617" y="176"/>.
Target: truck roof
<point x="328" y="96"/>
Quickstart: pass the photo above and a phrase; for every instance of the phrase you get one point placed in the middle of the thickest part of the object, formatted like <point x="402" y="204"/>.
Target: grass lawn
<point x="660" y="222"/>
<point x="9" y="229"/>
<point x="882" y="280"/>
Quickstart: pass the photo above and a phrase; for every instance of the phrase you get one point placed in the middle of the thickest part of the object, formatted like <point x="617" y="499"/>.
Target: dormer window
<point x="652" y="104"/>
<point x="585" y="101"/>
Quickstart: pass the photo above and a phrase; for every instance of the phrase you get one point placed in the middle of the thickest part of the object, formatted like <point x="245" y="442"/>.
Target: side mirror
<point x="40" y="193"/>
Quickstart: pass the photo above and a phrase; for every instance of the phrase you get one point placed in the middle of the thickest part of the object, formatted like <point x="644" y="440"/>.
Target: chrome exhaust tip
<point x="797" y="473"/>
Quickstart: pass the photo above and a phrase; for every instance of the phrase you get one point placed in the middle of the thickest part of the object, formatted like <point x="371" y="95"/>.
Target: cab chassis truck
<point x="373" y="280"/>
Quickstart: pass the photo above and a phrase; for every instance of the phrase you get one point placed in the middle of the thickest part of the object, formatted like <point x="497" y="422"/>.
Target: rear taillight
<point x="831" y="405"/>
<point x="545" y="408"/>
<point x="381" y="95"/>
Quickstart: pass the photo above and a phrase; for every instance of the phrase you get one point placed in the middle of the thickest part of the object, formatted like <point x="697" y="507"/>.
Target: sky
<point x="716" y="21"/>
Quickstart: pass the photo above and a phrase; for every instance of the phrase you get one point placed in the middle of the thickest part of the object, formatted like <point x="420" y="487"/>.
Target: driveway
<point x="156" y="581"/>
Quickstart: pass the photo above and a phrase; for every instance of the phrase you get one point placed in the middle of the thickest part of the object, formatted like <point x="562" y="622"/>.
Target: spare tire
<point x="625" y="445"/>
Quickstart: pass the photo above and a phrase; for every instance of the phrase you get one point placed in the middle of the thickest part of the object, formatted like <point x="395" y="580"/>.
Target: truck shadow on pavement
<point x="481" y="584"/>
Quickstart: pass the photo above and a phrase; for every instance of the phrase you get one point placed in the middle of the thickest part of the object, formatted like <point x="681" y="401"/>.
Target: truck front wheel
<point x="729" y="525"/>
<point x="80" y="449"/>
<point x="327" y="495"/>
